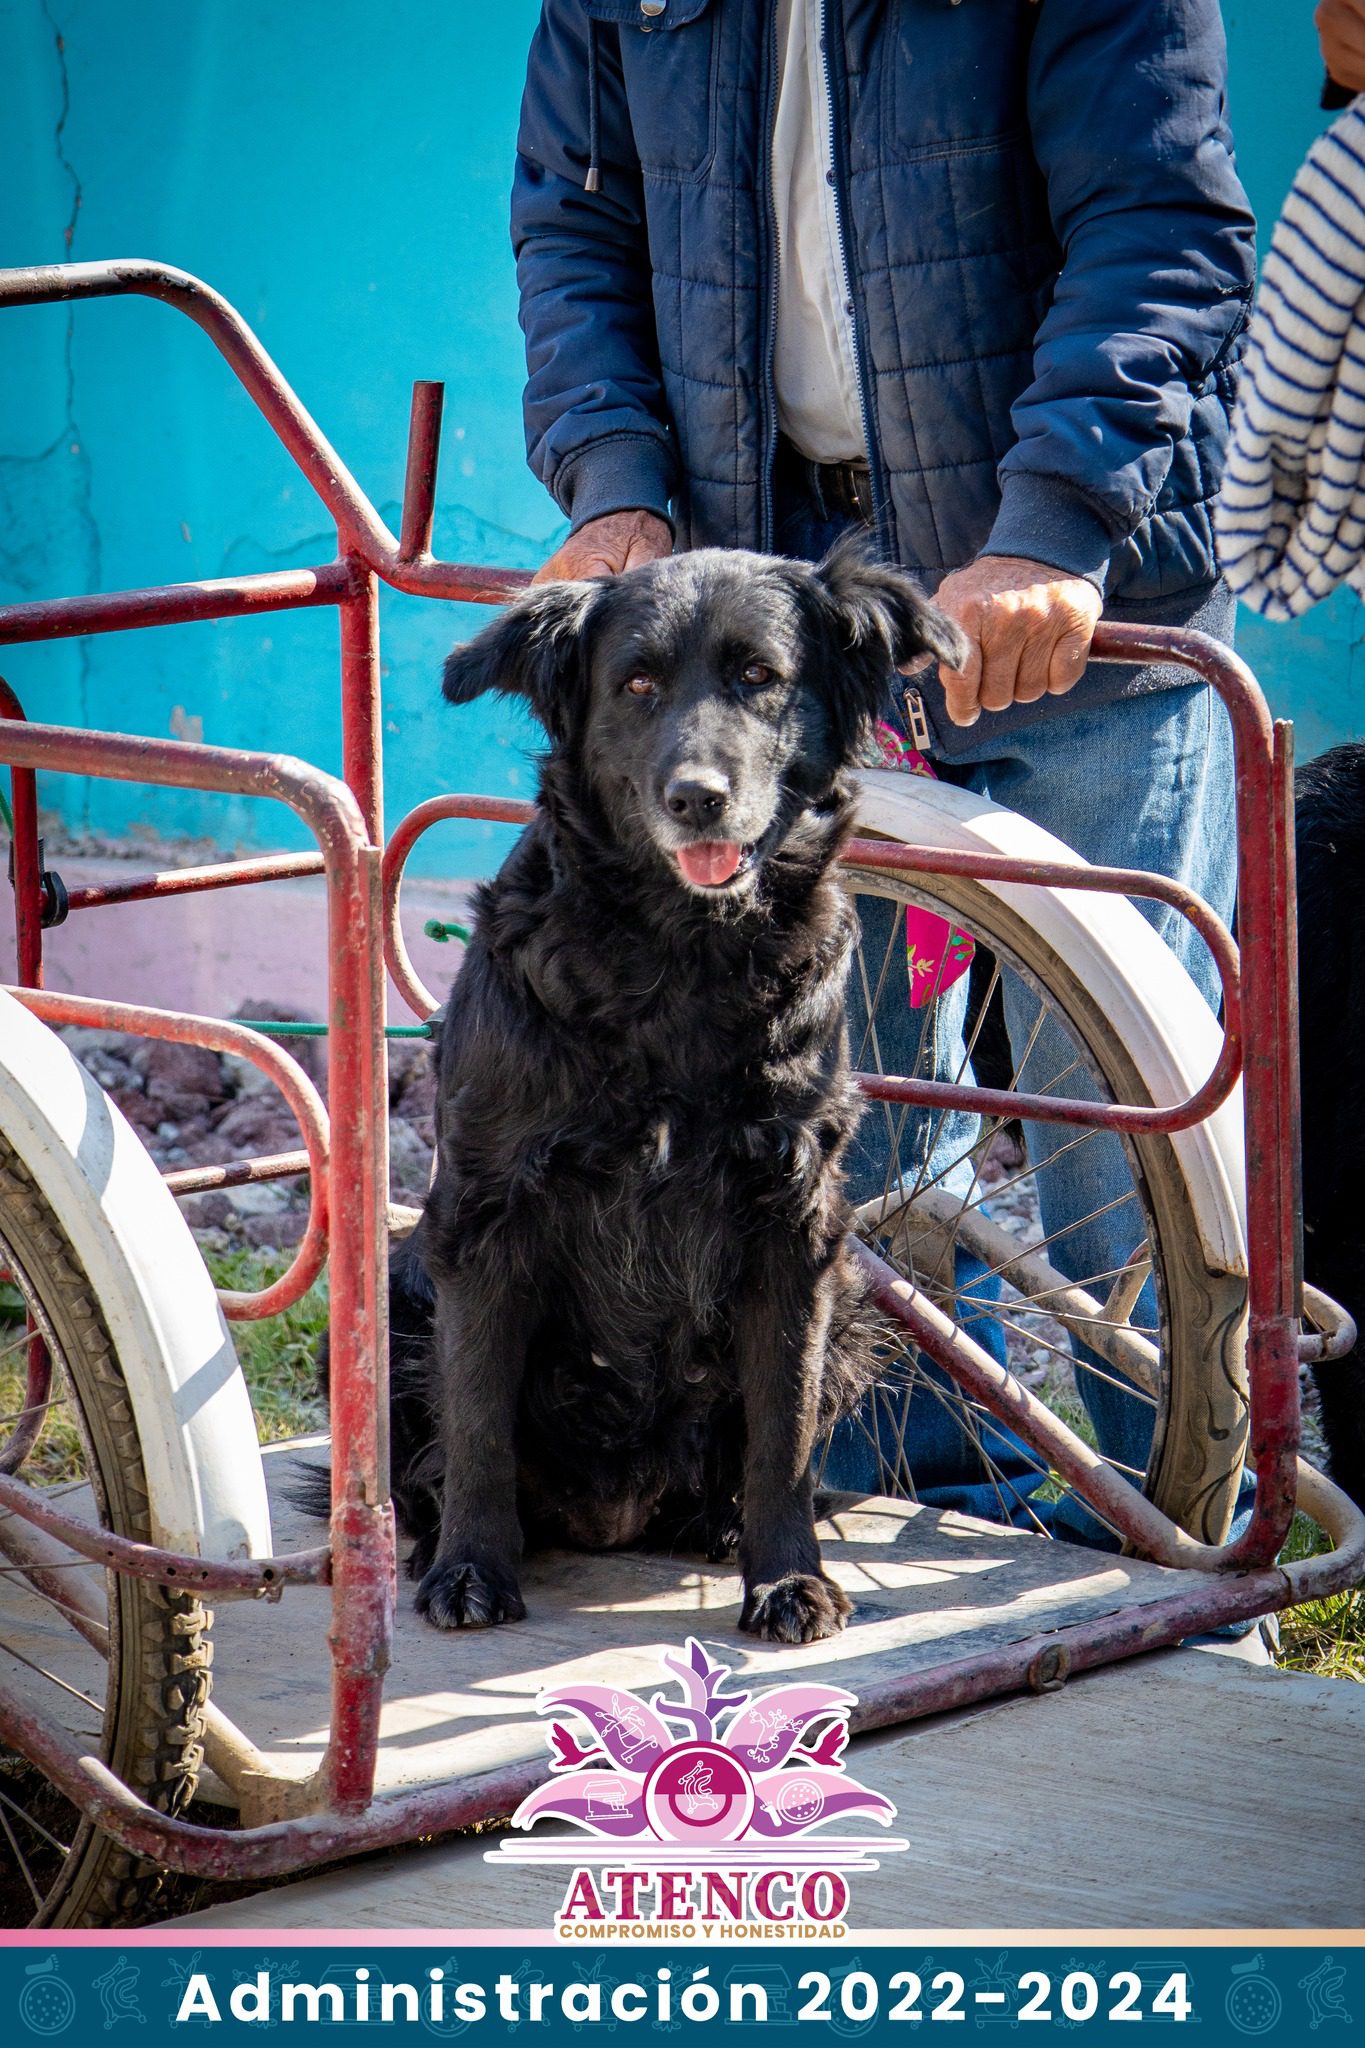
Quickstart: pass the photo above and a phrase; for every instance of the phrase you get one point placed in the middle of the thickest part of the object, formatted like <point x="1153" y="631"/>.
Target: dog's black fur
<point x="1330" y="850"/>
<point x="627" y="1309"/>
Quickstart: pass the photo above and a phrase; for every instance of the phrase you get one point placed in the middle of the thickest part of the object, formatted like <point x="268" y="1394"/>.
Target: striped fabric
<point x="1291" y="519"/>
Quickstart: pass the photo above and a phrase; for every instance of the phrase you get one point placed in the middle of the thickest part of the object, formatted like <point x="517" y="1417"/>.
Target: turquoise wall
<point x="342" y="177"/>
<point x="341" y="174"/>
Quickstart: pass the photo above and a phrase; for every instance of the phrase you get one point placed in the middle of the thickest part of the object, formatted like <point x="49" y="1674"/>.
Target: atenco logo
<point x="705" y="1815"/>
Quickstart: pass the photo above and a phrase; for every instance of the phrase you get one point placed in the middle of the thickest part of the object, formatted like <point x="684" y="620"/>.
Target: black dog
<point x="627" y="1309"/>
<point x="1330" y="849"/>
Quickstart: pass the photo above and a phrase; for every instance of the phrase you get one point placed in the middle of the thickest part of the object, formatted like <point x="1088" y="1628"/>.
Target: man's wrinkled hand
<point x="1341" y="31"/>
<point x="606" y="546"/>
<point x="1028" y="629"/>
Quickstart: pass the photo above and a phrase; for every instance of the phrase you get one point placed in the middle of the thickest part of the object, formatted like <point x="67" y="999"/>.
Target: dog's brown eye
<point x="642" y="686"/>
<point x="757" y="673"/>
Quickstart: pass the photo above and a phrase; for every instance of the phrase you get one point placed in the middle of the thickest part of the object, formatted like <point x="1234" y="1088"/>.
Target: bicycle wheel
<point x="118" y="1661"/>
<point x="1118" y="1315"/>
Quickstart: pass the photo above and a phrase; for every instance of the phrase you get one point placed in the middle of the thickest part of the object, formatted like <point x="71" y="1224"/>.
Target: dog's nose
<point x="696" y="796"/>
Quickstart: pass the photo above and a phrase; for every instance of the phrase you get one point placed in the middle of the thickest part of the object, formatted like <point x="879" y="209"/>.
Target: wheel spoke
<point x="42" y="1671"/>
<point x="969" y="1416"/>
<point x="981" y="1157"/>
<point x="21" y="1860"/>
<point x="1075" y="1341"/>
<point x="36" y="1408"/>
<point x="1034" y="1337"/>
<point x="23" y="1814"/>
<point x="77" y="1616"/>
<point x="14" y="1343"/>
<point x="1062" y="1230"/>
<point x="93" y="1654"/>
<point x="968" y="1049"/>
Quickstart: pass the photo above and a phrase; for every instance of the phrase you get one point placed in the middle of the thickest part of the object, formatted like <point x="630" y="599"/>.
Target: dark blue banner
<point x="561" y="1993"/>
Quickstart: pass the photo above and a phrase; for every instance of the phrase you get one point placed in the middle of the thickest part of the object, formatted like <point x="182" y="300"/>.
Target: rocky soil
<point x="192" y="1107"/>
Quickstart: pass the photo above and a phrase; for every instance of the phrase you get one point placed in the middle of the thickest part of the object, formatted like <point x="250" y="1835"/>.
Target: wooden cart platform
<point x="926" y="1587"/>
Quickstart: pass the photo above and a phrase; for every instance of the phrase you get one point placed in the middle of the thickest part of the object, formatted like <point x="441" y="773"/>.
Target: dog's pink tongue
<point x="711" y="863"/>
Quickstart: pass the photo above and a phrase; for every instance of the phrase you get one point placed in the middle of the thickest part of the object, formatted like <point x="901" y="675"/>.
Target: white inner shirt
<point x="814" y="365"/>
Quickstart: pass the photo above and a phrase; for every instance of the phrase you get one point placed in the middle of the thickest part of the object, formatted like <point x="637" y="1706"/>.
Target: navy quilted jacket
<point x="1050" y="252"/>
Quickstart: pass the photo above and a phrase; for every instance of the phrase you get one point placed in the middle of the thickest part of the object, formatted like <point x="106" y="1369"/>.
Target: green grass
<point x="59" y="1455"/>
<point x="278" y="1356"/>
<point x="1058" y="1392"/>
<point x="1326" y="1637"/>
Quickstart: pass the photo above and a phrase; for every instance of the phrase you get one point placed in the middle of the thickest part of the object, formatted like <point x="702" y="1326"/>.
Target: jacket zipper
<point x="765" y="538"/>
<point x="840" y="167"/>
<point x="916" y="717"/>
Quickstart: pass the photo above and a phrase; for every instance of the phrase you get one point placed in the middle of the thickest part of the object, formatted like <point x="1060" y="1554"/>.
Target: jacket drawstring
<point x="593" y="181"/>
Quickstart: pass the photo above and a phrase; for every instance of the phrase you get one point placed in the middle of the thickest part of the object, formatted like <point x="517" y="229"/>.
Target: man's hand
<point x="606" y="546"/>
<point x="1029" y="629"/>
<point x="1341" y="31"/>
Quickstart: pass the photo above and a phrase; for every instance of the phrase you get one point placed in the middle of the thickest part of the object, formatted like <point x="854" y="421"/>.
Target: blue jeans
<point x="1143" y="783"/>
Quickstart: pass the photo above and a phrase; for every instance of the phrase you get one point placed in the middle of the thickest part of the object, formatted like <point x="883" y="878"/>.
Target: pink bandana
<point x="936" y="953"/>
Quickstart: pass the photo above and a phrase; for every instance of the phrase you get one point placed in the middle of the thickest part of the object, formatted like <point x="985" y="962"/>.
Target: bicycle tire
<point x="157" y="1668"/>
<point x="1201" y="1419"/>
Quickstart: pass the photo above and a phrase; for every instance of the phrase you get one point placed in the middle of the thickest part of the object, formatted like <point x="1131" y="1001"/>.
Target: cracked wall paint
<point x="349" y="193"/>
<point x="65" y="451"/>
<point x="252" y="133"/>
<point x="72" y="445"/>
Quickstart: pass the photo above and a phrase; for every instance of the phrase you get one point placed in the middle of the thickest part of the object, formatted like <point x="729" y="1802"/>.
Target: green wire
<point x="287" y="1029"/>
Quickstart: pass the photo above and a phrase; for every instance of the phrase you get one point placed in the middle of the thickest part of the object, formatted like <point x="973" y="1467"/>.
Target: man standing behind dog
<point x="970" y="272"/>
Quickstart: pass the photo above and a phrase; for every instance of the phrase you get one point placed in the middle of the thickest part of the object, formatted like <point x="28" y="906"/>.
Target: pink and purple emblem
<point x="717" y="1775"/>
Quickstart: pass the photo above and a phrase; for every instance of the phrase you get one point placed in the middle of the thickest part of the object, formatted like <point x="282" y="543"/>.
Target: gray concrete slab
<point x="1180" y="1790"/>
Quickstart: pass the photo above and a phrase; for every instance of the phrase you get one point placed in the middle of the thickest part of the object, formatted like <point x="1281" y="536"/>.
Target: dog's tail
<point x="308" y="1488"/>
<point x="411" y="1306"/>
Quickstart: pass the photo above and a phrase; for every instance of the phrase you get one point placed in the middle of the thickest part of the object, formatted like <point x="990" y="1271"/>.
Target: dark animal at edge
<point x="1329" y="797"/>
<point x="1330" y="854"/>
<point x="628" y="1309"/>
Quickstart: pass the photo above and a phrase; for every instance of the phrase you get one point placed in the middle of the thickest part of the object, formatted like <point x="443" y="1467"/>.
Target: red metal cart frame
<point x="1234" y="1583"/>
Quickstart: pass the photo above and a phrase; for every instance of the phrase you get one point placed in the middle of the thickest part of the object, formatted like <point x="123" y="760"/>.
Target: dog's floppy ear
<point x="878" y="601"/>
<point x="881" y="620"/>
<point x="532" y="650"/>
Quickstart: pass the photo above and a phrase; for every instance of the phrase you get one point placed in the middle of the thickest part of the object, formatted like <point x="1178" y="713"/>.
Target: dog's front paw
<point x="460" y="1595"/>
<point x="800" y="1609"/>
